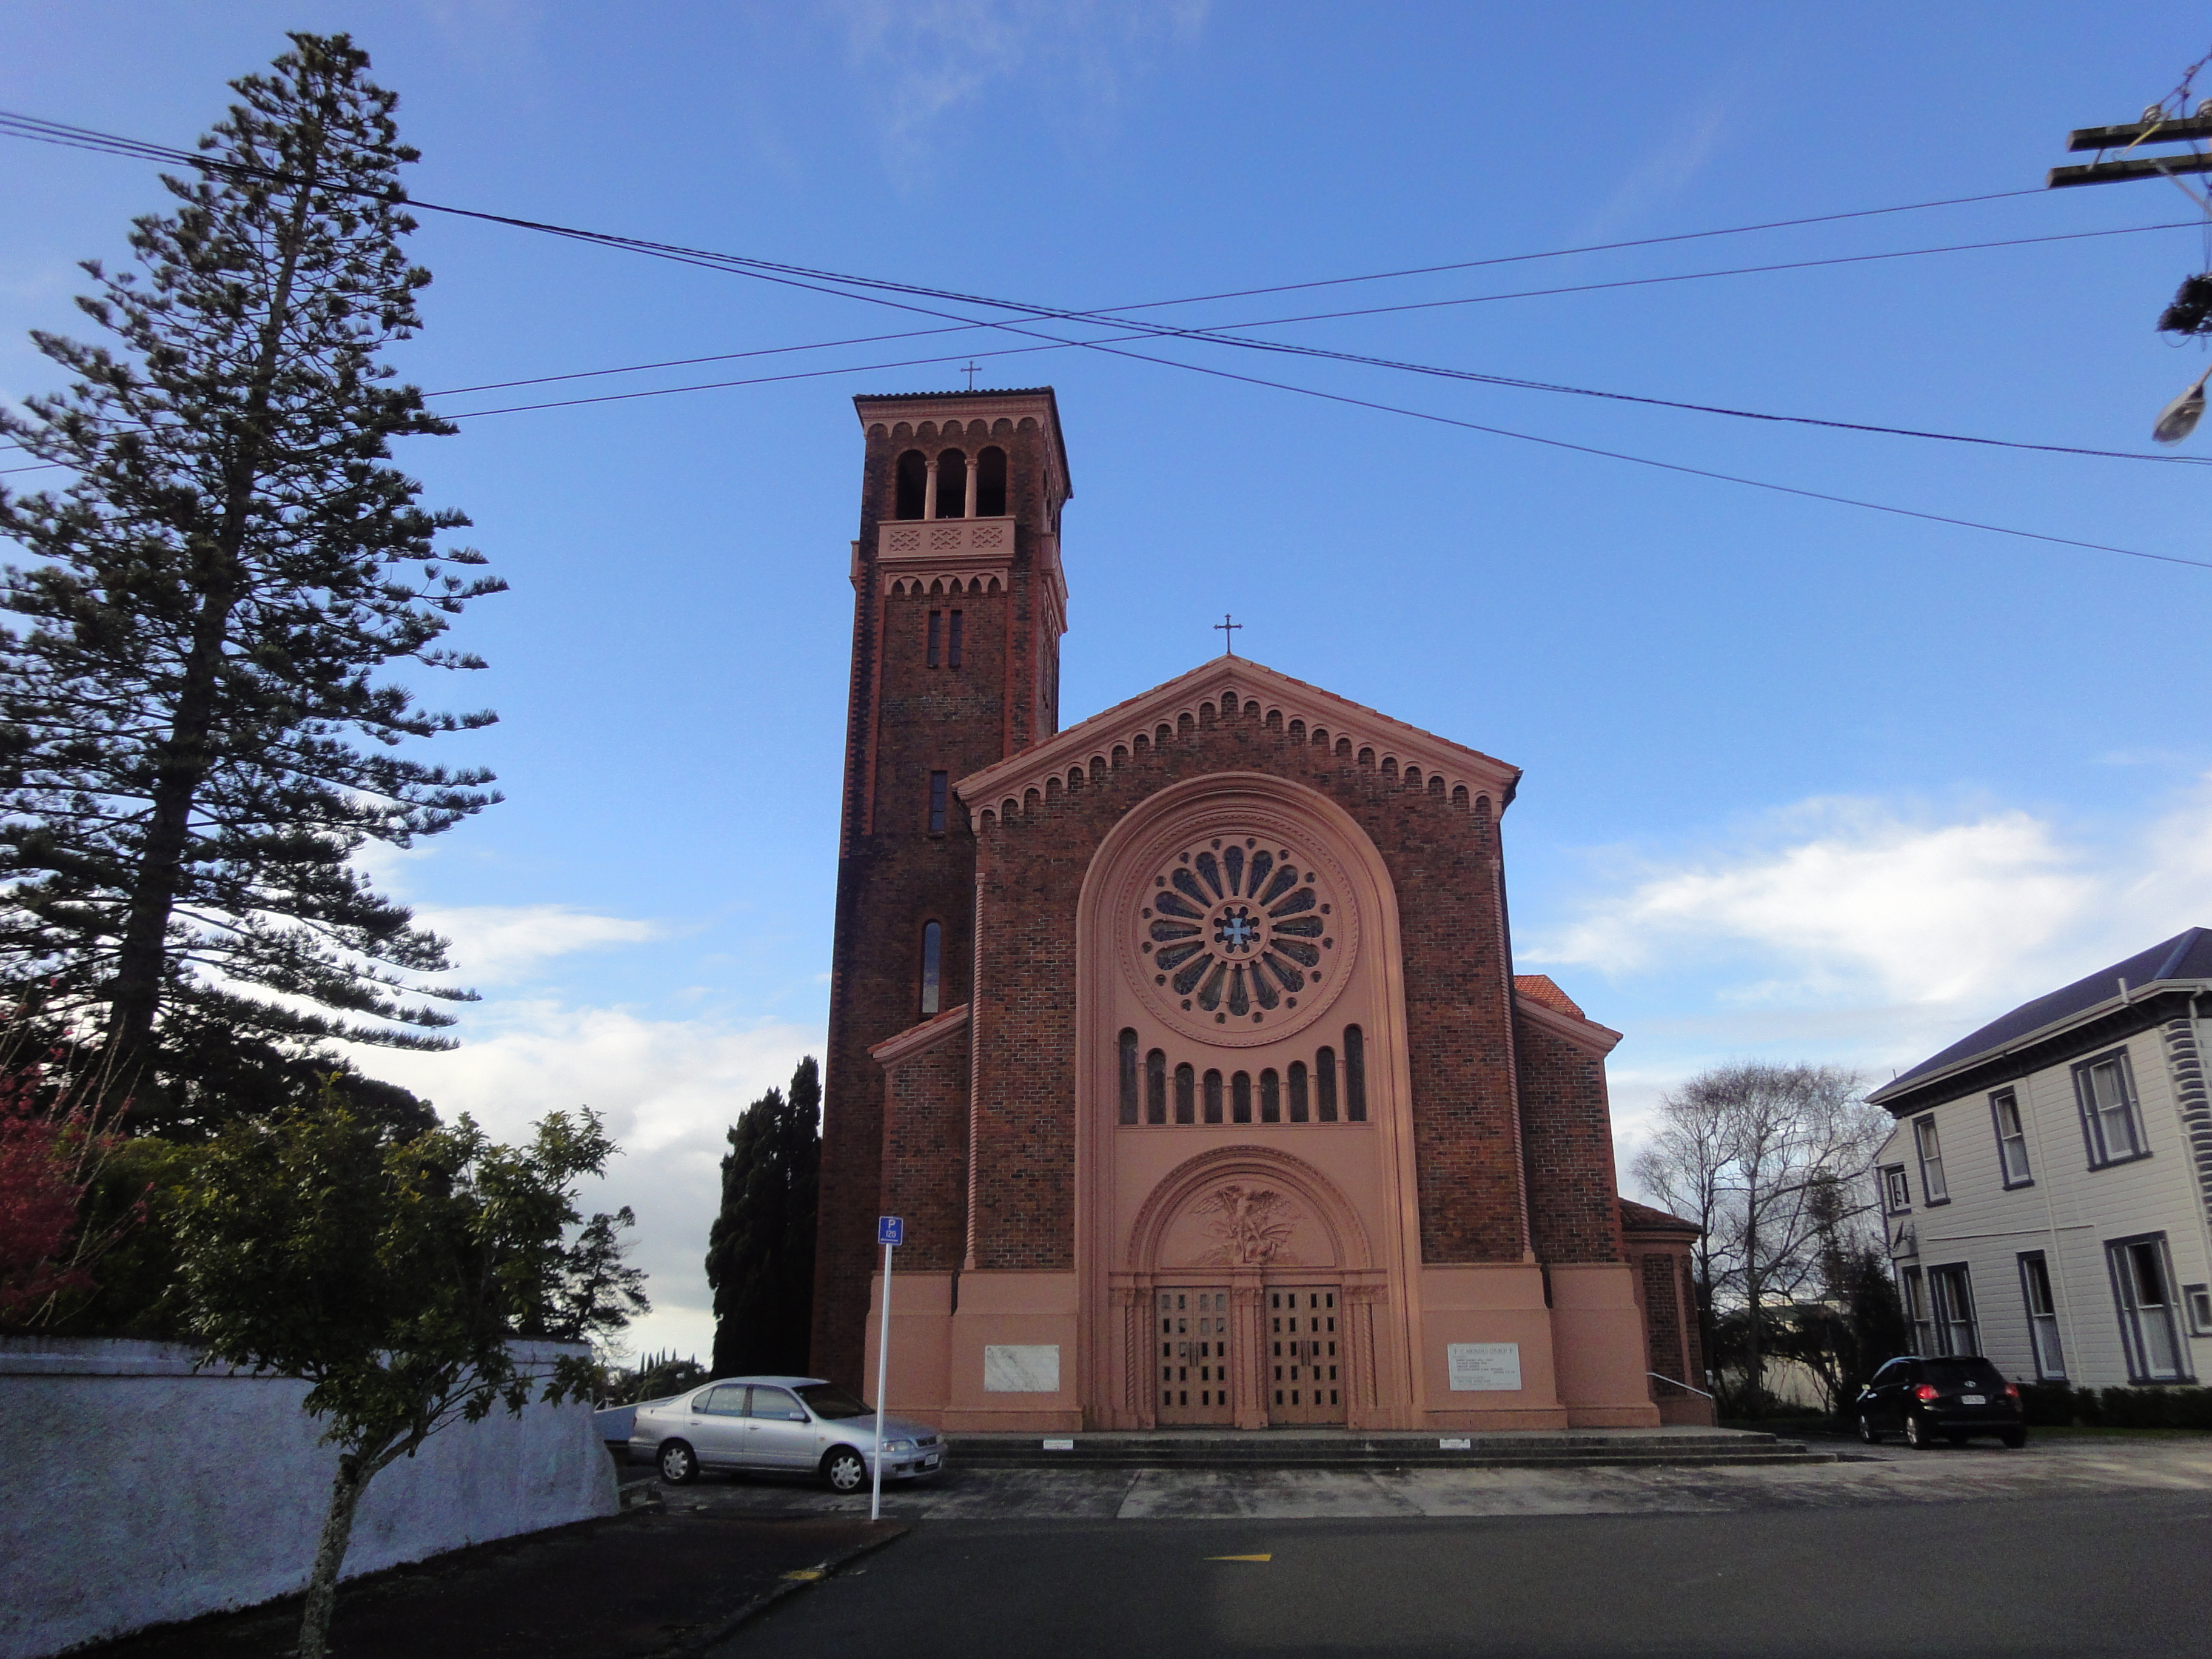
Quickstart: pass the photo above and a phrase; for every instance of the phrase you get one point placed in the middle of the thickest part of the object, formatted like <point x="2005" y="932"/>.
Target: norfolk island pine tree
<point x="194" y="743"/>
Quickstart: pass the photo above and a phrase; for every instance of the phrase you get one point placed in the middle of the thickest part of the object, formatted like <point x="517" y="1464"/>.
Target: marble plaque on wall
<point x="1481" y="1367"/>
<point x="1022" y="1368"/>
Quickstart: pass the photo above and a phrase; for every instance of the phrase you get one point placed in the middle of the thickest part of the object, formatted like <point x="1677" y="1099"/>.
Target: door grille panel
<point x="1192" y="1357"/>
<point x="1306" y="1367"/>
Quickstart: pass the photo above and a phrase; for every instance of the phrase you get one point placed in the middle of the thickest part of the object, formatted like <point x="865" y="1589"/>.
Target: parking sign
<point x="891" y="1229"/>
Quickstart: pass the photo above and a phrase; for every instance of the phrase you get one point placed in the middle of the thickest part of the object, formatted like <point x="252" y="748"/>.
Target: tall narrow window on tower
<point x="937" y="791"/>
<point x="1355" y="1075"/>
<point x="991" y="483"/>
<point x="933" y="966"/>
<point x="1186" y="1093"/>
<point x="1325" y="1084"/>
<point x="912" y="485"/>
<point x="1156" y="1086"/>
<point x="953" y="642"/>
<point x="1128" y="1075"/>
<point x="952" y="484"/>
<point x="936" y="635"/>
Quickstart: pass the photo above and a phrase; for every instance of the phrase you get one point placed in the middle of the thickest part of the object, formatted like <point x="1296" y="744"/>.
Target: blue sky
<point x="1802" y="781"/>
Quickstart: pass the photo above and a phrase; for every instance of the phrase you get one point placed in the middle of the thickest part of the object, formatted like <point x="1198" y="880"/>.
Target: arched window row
<point x="1152" y="1094"/>
<point x="949" y="485"/>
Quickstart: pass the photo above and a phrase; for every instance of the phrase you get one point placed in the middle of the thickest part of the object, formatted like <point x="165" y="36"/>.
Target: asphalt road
<point x="2118" y="1573"/>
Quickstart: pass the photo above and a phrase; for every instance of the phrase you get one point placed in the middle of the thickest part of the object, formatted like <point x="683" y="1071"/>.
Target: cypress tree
<point x="760" y="1254"/>
<point x="197" y="743"/>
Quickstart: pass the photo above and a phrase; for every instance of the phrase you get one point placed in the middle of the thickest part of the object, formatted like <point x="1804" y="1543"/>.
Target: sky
<point x="1804" y="781"/>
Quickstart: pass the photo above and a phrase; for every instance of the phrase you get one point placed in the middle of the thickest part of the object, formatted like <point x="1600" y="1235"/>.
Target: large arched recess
<point x="1236" y="803"/>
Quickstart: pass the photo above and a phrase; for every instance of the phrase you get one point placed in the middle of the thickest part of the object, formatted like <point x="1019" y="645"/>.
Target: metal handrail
<point x="1699" y="1392"/>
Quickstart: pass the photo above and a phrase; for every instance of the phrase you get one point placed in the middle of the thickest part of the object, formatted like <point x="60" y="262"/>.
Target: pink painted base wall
<point x="1582" y="1359"/>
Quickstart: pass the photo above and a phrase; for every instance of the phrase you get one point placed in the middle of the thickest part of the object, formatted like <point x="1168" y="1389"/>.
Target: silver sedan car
<point x="790" y="1425"/>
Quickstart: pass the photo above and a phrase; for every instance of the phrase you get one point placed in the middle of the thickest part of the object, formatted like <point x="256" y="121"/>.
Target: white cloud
<point x="1861" y="932"/>
<point x="667" y="1088"/>
<point x="1665" y="171"/>
<point x="500" y="944"/>
<point x="937" y="56"/>
<point x="1869" y="900"/>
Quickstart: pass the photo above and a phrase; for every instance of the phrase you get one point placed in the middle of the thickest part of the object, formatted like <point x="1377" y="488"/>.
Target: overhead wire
<point x="879" y="290"/>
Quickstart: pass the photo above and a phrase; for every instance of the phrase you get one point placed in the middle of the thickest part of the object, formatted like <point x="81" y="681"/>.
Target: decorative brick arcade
<point x="1186" y="1040"/>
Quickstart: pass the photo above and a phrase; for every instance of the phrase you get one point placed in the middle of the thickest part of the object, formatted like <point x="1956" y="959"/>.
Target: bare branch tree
<point x="1771" y="1161"/>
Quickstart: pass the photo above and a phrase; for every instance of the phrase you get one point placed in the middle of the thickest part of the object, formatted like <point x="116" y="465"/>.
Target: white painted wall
<point x="2068" y="1211"/>
<point x="133" y="1492"/>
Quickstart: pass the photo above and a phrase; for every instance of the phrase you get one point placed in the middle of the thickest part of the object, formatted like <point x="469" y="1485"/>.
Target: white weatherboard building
<point x="2048" y="1188"/>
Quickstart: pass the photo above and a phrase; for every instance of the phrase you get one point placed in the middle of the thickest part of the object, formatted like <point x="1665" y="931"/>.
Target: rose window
<point x="1237" y="928"/>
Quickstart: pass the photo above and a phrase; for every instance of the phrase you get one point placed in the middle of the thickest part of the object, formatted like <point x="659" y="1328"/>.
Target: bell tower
<point x="958" y="609"/>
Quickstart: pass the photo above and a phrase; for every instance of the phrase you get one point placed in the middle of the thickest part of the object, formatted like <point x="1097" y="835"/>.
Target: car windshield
<point x="1962" y="1373"/>
<point x="831" y="1402"/>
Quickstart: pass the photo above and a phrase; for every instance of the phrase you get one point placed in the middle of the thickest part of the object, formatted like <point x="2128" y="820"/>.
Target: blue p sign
<point x="891" y="1229"/>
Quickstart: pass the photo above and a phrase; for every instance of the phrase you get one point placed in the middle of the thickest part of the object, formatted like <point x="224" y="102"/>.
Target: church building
<point x="1185" y="1040"/>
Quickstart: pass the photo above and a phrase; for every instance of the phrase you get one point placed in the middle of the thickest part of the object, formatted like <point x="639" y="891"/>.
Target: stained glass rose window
<point x="1237" y="928"/>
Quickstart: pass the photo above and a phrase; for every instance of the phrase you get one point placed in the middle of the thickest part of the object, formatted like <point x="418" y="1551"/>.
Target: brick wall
<point x="925" y="1165"/>
<point x="1566" y="1128"/>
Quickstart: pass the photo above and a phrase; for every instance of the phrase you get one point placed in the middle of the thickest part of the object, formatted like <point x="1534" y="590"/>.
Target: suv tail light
<point x="2012" y="1390"/>
<point x="1924" y="1393"/>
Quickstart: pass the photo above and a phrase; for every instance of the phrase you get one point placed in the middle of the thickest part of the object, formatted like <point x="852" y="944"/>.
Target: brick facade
<point x="1030" y="873"/>
<point x="987" y="1120"/>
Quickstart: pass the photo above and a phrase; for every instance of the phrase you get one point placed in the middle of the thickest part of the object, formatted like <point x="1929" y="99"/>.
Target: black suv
<point x="1953" y="1397"/>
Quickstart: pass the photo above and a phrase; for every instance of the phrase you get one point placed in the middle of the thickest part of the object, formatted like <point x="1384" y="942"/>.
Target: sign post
<point x="891" y="1233"/>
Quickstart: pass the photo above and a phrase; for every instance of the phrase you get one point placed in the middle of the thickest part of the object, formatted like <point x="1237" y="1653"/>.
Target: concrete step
<point x="1279" y="1448"/>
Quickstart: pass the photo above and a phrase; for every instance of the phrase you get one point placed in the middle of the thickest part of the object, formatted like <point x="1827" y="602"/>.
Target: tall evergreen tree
<point x="197" y="744"/>
<point x="760" y="1254"/>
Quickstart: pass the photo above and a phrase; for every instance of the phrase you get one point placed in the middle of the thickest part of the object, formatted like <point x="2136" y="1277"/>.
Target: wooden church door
<point x="1305" y="1362"/>
<point x="1191" y="1342"/>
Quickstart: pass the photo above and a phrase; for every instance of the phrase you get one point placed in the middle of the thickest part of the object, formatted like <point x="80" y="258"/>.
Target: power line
<point x="873" y="289"/>
<point x="55" y="132"/>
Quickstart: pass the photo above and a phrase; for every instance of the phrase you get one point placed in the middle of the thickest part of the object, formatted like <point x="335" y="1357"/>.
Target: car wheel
<point x="679" y="1465"/>
<point x="1867" y="1430"/>
<point x="2015" y="1438"/>
<point x="843" y="1472"/>
<point x="1916" y="1432"/>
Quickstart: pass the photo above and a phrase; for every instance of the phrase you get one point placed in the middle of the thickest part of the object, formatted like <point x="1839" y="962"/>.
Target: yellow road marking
<point x="804" y="1574"/>
<point x="1240" y="1558"/>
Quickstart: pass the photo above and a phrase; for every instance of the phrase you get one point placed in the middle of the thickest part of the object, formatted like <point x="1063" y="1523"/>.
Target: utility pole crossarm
<point x="2154" y="129"/>
<point x="2173" y="131"/>
<point x="2135" y="166"/>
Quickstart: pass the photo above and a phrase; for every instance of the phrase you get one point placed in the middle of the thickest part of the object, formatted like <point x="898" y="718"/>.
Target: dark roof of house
<point x="1642" y="1218"/>
<point x="2186" y="955"/>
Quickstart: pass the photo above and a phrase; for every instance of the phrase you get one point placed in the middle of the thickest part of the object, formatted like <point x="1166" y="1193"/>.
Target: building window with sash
<point x="1932" y="1185"/>
<point x="2042" y="1316"/>
<point x="1896" y="1190"/>
<point x="1916" y="1311"/>
<point x="2111" y="1123"/>
<point x="2012" y="1139"/>
<point x="1951" y="1294"/>
<point x="940" y="795"/>
<point x="2150" y="1330"/>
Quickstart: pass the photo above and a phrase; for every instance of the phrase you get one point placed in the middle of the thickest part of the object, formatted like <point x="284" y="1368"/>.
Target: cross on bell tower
<point x="1227" y="628"/>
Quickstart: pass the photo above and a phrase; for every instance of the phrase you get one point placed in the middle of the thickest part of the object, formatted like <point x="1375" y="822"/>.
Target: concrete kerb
<point x="888" y="1532"/>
